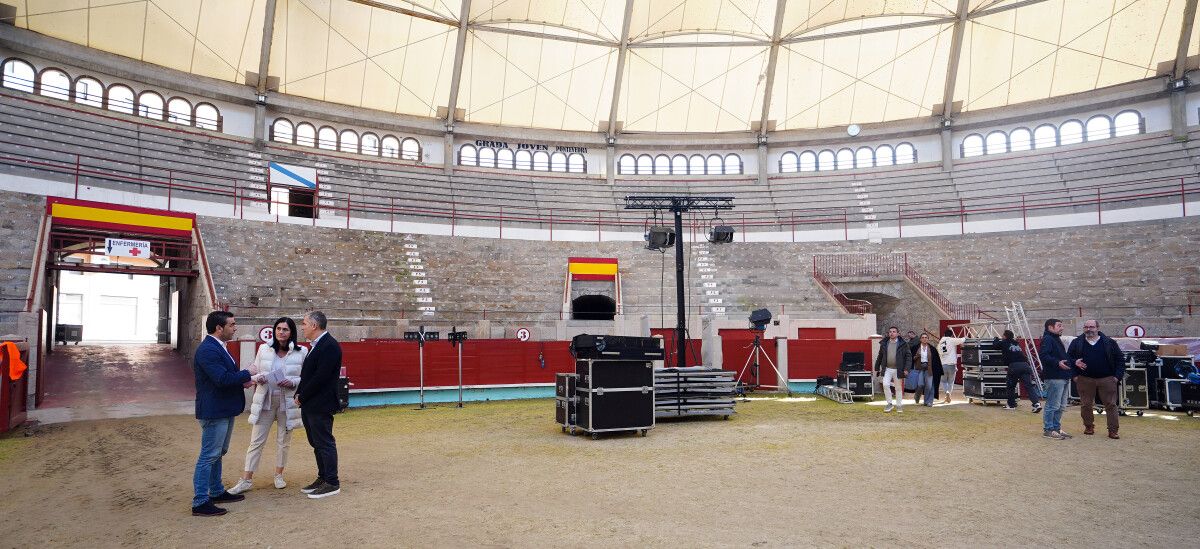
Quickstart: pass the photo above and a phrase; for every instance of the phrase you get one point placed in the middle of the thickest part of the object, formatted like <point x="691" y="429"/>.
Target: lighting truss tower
<point x="677" y="205"/>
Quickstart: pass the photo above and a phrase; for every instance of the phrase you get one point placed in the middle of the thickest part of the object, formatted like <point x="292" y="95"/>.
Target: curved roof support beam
<point x="960" y="26"/>
<point x="456" y="76"/>
<point x="772" y="61"/>
<point x="408" y="12"/>
<point x="596" y="39"/>
<point x="616" y="92"/>
<point x="264" y="59"/>
<point x="1185" y="39"/>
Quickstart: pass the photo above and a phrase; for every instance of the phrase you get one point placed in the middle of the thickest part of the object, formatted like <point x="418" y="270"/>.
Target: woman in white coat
<point x="276" y="372"/>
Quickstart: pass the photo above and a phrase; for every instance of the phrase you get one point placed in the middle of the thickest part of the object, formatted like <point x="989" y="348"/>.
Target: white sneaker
<point x="279" y="482"/>
<point x="241" y="487"/>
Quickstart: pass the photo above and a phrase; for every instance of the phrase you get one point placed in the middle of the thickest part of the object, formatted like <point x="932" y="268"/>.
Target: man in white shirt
<point x="948" y="349"/>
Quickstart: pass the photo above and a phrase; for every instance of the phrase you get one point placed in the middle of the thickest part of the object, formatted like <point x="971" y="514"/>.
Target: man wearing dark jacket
<point x="219" y="399"/>
<point x="894" y="361"/>
<point x="1056" y="376"/>
<point x="316" y="395"/>
<point x="1018" y="370"/>
<point x="1098" y="367"/>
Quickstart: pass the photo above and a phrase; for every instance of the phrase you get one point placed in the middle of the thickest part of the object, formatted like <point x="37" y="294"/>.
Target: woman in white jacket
<point x="276" y="372"/>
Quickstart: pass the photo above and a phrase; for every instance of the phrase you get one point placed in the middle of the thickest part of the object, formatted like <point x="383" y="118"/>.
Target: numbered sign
<point x="1133" y="330"/>
<point x="266" y="335"/>
<point x="523" y="334"/>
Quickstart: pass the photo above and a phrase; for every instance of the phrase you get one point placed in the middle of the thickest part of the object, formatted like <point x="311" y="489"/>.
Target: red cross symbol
<point x="135" y="252"/>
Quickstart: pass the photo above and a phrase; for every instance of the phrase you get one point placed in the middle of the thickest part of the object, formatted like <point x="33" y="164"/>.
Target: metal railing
<point x="826" y="266"/>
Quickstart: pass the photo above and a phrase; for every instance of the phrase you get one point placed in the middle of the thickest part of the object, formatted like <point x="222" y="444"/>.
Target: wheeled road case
<point x="858" y="383"/>
<point x="565" y="401"/>
<point x="614" y="395"/>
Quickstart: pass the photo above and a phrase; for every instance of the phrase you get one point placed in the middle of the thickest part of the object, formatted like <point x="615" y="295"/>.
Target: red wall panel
<point x="812" y="358"/>
<point x="735" y="348"/>
<point x="395" y="364"/>
<point x="695" y="347"/>
<point x="816" y="333"/>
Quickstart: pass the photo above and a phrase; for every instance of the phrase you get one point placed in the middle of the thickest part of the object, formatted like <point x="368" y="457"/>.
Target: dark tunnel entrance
<point x="593" y="307"/>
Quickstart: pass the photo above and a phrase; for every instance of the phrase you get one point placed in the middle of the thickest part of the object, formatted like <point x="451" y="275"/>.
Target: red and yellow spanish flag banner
<point x="592" y="268"/>
<point x="69" y="212"/>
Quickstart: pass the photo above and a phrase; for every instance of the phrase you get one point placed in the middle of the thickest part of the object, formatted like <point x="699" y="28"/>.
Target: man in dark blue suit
<point x="219" y="399"/>
<point x="316" y="395"/>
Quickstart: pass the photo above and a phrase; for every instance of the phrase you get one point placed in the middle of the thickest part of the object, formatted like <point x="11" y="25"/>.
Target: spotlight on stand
<point x="720" y="234"/>
<point x="759" y="318"/>
<point x="660" y="238"/>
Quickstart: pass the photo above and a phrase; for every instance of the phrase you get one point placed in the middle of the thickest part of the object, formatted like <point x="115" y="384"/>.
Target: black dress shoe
<point x="312" y="487"/>
<point x="207" y="509"/>
<point x="226" y="497"/>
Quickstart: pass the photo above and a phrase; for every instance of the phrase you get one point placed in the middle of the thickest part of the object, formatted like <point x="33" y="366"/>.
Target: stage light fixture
<point x="720" y="234"/>
<point x="660" y="238"/>
<point x="759" y="318"/>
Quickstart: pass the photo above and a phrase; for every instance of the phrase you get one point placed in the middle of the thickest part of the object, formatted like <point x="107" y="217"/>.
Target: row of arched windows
<point x="18" y="74"/>
<point x="1045" y="136"/>
<point x="327" y="138"/>
<point x="696" y="164"/>
<point x="846" y="159"/>
<point x="541" y="161"/>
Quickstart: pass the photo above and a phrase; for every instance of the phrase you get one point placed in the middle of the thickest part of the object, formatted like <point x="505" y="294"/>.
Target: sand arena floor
<point x="780" y="473"/>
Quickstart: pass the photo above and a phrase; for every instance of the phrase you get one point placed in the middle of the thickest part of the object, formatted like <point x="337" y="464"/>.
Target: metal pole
<point x="170" y="186"/>
<point x="681" y="325"/>
<point x="1183" y="196"/>
<point x="460" y="385"/>
<point x="77" y="176"/>
<point x="421" y="365"/>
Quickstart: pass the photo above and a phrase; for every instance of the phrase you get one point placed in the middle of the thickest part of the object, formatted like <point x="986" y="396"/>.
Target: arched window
<point x="645" y="165"/>
<point x="885" y="156"/>
<point x="715" y="165"/>
<point x="370" y="144"/>
<point x="826" y="160"/>
<point x="487" y="157"/>
<point x="120" y="98"/>
<point x="208" y="117"/>
<point x="541" y="161"/>
<point x="410" y="149"/>
<point x="845" y="159"/>
<point x="696" y="165"/>
<point x="576" y="163"/>
<point x="348" y="141"/>
<point x="626" y="165"/>
<point x="1020" y="140"/>
<point x="89" y="91"/>
<point x="864" y="157"/>
<point x="997" y="142"/>
<point x="1127" y="123"/>
<point x="733" y="164"/>
<point x="662" y="165"/>
<point x="1070" y="132"/>
<point x="679" y="164"/>
<point x="54" y="83"/>
<point x="558" y="162"/>
<point x="525" y="160"/>
<point x="1045" y="136"/>
<point x="906" y="154"/>
<point x="17" y="75"/>
<point x="389" y="147"/>
<point x="468" y="156"/>
<point x="327" y="138"/>
<point x="306" y="134"/>
<point x="504" y="159"/>
<point x="789" y="163"/>
<point x="283" y="131"/>
<point x="808" y="161"/>
<point x="1099" y="127"/>
<point x="150" y="105"/>
<point x="179" y="111"/>
<point x="972" y="145"/>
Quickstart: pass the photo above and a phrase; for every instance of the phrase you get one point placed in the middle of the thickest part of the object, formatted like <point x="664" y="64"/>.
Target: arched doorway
<point x="593" y="307"/>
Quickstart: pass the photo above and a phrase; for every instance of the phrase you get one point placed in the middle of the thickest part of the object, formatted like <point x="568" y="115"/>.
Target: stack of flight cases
<point x="854" y="377"/>
<point x="612" y="388"/>
<point x="694" y="391"/>
<point x="984" y="371"/>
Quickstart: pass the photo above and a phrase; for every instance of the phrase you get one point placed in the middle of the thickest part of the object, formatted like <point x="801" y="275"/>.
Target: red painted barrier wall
<point x="812" y="358"/>
<point x="735" y="348"/>
<point x="387" y="364"/>
<point x="695" y="347"/>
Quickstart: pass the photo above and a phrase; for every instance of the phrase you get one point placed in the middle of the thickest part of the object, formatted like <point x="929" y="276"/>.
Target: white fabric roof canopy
<point x="691" y="66"/>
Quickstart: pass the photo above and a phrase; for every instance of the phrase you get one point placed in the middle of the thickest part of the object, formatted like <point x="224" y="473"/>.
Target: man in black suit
<point x="316" y="395"/>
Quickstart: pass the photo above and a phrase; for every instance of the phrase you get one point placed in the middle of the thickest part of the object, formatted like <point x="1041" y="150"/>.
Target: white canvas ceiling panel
<point x="804" y="16"/>
<point x="874" y="77"/>
<point x="748" y="19"/>
<point x="598" y="19"/>
<point x="693" y="89"/>
<point x="531" y="82"/>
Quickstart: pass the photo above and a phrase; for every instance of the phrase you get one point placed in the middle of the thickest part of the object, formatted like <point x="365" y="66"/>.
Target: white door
<point x="120" y="323"/>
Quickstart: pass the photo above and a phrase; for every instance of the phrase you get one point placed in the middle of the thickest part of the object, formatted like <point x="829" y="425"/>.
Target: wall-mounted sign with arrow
<point x="120" y="247"/>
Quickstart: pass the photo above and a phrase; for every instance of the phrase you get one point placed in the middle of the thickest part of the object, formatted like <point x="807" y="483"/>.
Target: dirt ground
<point x="794" y="472"/>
